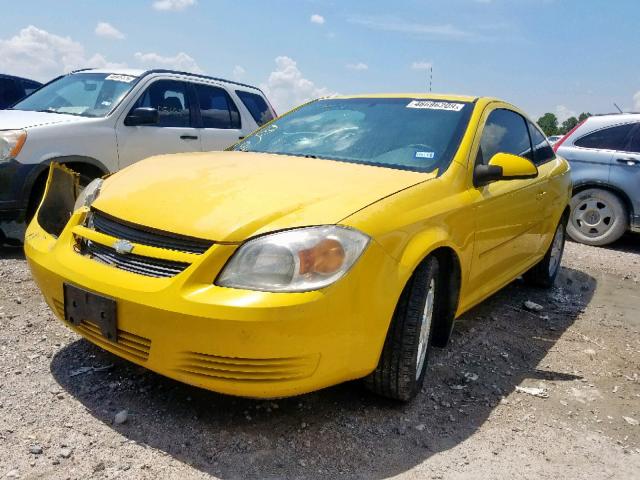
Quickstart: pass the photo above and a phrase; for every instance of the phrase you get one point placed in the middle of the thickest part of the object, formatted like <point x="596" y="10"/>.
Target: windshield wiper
<point x="47" y="110"/>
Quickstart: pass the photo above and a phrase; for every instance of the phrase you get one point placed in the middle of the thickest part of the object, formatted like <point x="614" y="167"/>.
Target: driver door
<point x="174" y="132"/>
<point x="508" y="213"/>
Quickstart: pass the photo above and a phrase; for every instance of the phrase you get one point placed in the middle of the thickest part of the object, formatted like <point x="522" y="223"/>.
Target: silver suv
<point x="604" y="152"/>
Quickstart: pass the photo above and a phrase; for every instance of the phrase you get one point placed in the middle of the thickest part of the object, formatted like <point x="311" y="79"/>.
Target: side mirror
<point x="142" y="116"/>
<point x="504" y="166"/>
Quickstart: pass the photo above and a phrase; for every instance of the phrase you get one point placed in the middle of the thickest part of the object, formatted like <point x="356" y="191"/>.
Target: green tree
<point x="568" y="124"/>
<point x="549" y="124"/>
<point x="583" y="116"/>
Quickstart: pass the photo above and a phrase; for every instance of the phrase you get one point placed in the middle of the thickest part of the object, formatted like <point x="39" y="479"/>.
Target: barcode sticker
<point x="434" y="105"/>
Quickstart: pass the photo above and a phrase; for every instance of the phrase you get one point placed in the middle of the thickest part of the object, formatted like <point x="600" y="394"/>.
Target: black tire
<point x="396" y="375"/>
<point x="544" y="273"/>
<point x="594" y="201"/>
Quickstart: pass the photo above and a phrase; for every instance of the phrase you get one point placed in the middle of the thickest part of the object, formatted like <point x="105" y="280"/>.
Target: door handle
<point x="188" y="137"/>
<point x="628" y="161"/>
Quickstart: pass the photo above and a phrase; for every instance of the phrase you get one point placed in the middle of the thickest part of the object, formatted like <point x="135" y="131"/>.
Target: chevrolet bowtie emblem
<point x="123" y="247"/>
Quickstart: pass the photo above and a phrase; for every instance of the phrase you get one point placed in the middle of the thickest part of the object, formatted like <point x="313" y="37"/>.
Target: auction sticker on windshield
<point x="120" y="78"/>
<point x="433" y="105"/>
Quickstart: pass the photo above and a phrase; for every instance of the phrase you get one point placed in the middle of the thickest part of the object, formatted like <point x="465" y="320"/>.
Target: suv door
<point x="625" y="172"/>
<point x="508" y="213"/>
<point x="219" y="118"/>
<point x="175" y="131"/>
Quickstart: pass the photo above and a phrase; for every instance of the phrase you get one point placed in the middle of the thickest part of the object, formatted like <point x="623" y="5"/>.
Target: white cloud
<point x="104" y="29"/>
<point x="403" y="26"/>
<point x="38" y="54"/>
<point x="315" y="18"/>
<point x="420" y="65"/>
<point x="636" y="102"/>
<point x="357" y="66"/>
<point x="286" y="87"/>
<point x="238" y="72"/>
<point x="180" y="61"/>
<point x="173" y="5"/>
<point x="563" y="112"/>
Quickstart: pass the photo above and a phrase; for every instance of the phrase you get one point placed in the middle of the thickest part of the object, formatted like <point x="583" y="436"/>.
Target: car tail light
<point x="567" y="135"/>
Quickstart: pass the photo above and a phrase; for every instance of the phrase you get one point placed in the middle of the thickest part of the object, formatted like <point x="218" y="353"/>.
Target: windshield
<point x="84" y="94"/>
<point x="420" y="135"/>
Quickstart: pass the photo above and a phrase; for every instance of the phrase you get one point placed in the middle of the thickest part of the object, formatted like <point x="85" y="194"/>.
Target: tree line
<point x="550" y="125"/>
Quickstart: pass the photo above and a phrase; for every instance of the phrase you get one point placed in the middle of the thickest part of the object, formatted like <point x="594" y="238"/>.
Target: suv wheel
<point x="598" y="217"/>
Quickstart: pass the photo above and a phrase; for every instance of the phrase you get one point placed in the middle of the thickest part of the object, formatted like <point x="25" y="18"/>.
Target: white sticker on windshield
<point x="425" y="154"/>
<point x="433" y="105"/>
<point x="120" y="78"/>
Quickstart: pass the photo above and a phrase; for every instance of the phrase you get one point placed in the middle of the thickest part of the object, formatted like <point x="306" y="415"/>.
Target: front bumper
<point x="238" y="342"/>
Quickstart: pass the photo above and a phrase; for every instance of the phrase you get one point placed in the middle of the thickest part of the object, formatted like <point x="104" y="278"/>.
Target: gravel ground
<point x="61" y="419"/>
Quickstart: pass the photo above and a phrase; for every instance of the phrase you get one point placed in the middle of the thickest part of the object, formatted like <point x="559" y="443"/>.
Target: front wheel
<point x="402" y="365"/>
<point x="544" y="273"/>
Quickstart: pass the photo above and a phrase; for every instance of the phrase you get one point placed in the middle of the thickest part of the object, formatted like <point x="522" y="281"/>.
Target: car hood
<point x="231" y="196"/>
<point x="14" y="119"/>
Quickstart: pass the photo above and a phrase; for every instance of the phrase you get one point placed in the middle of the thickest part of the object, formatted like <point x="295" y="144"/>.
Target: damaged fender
<point x="56" y="207"/>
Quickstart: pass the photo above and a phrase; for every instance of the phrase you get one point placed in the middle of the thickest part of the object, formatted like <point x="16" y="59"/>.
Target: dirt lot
<point x="57" y="419"/>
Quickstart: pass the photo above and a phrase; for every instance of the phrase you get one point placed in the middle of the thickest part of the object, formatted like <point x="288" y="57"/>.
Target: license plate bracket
<point x="80" y="304"/>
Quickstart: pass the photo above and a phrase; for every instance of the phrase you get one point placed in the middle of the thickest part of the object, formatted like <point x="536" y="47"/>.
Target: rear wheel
<point x="402" y="365"/>
<point x="598" y="217"/>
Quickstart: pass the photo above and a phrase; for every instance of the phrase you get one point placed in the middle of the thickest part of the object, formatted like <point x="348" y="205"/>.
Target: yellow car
<point x="338" y="242"/>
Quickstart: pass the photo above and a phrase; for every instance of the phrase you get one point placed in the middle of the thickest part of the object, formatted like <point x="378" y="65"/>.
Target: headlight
<point x="89" y="194"/>
<point x="294" y="260"/>
<point x="11" y="142"/>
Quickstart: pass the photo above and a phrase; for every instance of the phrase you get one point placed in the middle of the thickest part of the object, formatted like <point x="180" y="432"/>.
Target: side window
<point x="504" y="132"/>
<point x="216" y="107"/>
<point x="10" y="92"/>
<point x="542" y="151"/>
<point x="634" y="142"/>
<point x="170" y="98"/>
<point x="257" y="106"/>
<point x="612" y="138"/>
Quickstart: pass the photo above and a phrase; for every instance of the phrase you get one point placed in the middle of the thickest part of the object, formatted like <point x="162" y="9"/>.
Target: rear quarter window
<point x="610" y="138"/>
<point x="256" y="105"/>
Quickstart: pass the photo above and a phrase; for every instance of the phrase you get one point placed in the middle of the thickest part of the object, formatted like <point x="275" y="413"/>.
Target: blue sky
<point x="564" y="56"/>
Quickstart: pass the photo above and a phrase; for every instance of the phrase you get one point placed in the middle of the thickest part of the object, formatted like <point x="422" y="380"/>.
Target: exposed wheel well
<point x="37" y="188"/>
<point x="450" y="277"/>
<point x="616" y="191"/>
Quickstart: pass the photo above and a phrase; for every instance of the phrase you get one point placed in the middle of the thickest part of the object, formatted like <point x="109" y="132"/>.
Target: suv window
<point x="257" y="106"/>
<point x="612" y="138"/>
<point x="171" y="100"/>
<point x="10" y="92"/>
<point x="216" y="107"/>
<point x="542" y="151"/>
<point x="634" y="142"/>
<point x="29" y="86"/>
<point x="505" y="132"/>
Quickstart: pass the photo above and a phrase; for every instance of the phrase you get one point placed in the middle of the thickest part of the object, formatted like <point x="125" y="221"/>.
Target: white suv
<point x="99" y="121"/>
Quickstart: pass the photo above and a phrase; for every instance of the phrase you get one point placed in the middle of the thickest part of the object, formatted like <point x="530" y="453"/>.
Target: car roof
<point x="14" y="77"/>
<point x="142" y="73"/>
<point x="429" y="96"/>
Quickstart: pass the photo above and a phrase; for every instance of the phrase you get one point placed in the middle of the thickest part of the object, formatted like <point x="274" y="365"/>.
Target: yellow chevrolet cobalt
<point x="338" y="242"/>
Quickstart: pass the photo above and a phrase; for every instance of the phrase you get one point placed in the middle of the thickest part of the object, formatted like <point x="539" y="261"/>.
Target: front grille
<point x="108" y="225"/>
<point x="247" y="369"/>
<point x="149" y="266"/>
<point x="128" y="345"/>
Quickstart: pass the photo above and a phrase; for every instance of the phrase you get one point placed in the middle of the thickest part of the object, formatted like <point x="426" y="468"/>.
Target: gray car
<point x="604" y="153"/>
